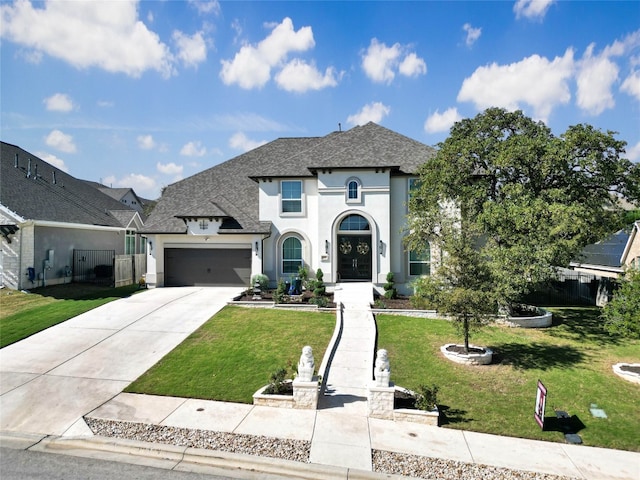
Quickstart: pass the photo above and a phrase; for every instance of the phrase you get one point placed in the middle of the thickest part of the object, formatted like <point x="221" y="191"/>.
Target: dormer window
<point x="353" y="190"/>
<point x="204" y="224"/>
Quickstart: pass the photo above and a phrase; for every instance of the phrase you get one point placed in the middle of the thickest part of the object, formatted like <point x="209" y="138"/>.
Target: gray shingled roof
<point x="607" y="252"/>
<point x="40" y="197"/>
<point x="230" y="188"/>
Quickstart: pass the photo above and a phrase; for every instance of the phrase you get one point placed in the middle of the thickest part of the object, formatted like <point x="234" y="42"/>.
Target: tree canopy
<point x="528" y="201"/>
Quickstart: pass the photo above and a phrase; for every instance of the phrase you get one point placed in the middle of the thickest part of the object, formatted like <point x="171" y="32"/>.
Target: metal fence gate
<point x="94" y="266"/>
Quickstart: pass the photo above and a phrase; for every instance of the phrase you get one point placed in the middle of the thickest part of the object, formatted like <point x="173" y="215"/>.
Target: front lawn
<point x="573" y="359"/>
<point x="234" y="354"/>
<point x="22" y="314"/>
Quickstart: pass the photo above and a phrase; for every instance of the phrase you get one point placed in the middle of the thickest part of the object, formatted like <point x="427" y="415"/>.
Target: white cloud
<point x="53" y="160"/>
<point x="251" y="66"/>
<point x="240" y="141"/>
<point x="298" y="76"/>
<point x="534" y="9"/>
<point x="595" y="77"/>
<point x="412" y="66"/>
<point x="442" y="122"/>
<point x="143" y="185"/>
<point x="146" y="142"/>
<point x="473" y="34"/>
<point x="205" y="7"/>
<point x="631" y="85"/>
<point x="598" y="73"/>
<point x="372" y="112"/>
<point x="60" y="141"/>
<point x="102" y="34"/>
<point x="169" y="168"/>
<point x="380" y="62"/>
<point x="192" y="50"/>
<point x="105" y="103"/>
<point x="633" y="152"/>
<point x="534" y="81"/>
<point x="59" y="102"/>
<point x="193" y="149"/>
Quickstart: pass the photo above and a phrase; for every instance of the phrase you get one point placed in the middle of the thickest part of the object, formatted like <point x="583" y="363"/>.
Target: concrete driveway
<point x="51" y="379"/>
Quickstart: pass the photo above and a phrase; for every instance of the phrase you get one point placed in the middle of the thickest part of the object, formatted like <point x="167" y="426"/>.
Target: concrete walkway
<point x="341" y="434"/>
<point x="53" y="379"/>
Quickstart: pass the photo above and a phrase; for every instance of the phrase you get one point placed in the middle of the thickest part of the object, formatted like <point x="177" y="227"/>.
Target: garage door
<point x="207" y="267"/>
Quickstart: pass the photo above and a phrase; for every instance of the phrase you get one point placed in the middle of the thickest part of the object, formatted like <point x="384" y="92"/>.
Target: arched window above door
<point x="354" y="222"/>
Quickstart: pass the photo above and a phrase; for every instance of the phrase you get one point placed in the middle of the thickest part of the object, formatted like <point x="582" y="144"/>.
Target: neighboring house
<point x="126" y="196"/>
<point x="611" y="256"/>
<point x="46" y="214"/>
<point x="337" y="203"/>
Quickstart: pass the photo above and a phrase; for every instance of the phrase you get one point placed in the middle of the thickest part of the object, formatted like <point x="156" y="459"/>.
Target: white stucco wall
<point x="324" y="205"/>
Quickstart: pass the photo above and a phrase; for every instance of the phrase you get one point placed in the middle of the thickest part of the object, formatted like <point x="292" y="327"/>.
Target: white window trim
<point x="281" y="254"/>
<point x="358" y="199"/>
<point x="302" y="201"/>
<point x="418" y="262"/>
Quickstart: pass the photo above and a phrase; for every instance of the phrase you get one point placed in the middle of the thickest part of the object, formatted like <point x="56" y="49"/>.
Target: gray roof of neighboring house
<point x="36" y="190"/>
<point x="230" y="189"/>
<point x="607" y="252"/>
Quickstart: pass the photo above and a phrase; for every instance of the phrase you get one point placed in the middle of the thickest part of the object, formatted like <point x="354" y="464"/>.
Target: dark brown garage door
<point x="207" y="267"/>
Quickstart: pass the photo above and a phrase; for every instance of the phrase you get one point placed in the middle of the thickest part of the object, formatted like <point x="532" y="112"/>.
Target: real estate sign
<point x="541" y="400"/>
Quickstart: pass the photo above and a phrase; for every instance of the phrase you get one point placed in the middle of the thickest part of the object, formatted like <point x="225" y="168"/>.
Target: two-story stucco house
<point x="337" y="203"/>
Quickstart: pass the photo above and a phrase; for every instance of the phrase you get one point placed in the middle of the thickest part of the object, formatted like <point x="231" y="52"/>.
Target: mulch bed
<point x="460" y="349"/>
<point x="630" y="368"/>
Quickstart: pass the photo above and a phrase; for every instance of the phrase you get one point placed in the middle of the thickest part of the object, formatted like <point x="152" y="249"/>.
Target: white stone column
<point x="305" y="394"/>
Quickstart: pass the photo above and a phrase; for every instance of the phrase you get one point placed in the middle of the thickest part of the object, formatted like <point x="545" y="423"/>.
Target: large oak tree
<point x="525" y="200"/>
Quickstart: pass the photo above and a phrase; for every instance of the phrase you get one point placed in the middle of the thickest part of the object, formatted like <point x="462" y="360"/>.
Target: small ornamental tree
<point x="622" y="314"/>
<point x="524" y="200"/>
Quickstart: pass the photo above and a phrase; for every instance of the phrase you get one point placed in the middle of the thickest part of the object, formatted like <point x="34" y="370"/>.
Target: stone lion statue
<point x="382" y="370"/>
<point x="306" y="364"/>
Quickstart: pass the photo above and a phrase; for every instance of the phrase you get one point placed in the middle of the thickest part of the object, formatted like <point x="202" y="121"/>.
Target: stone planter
<point x="305" y="396"/>
<point x="628" y="371"/>
<point x="545" y="319"/>
<point x="270" y="400"/>
<point x="424" y="417"/>
<point x="473" y="358"/>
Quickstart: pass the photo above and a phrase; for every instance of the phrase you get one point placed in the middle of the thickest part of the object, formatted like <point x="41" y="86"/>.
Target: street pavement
<point x="51" y="380"/>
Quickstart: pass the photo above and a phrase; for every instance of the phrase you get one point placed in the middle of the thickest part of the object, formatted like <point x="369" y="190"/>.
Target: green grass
<point x="235" y="352"/>
<point x="573" y="359"/>
<point x="23" y="314"/>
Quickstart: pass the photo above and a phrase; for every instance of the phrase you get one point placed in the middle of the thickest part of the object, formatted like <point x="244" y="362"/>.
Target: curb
<point x="185" y="459"/>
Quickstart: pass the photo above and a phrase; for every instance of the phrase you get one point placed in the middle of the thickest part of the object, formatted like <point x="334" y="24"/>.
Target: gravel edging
<point x="442" y="469"/>
<point x="298" y="450"/>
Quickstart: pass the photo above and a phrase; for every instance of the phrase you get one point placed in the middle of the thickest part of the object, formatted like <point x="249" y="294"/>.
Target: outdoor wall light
<point x="326" y="247"/>
<point x="381" y="244"/>
<point x="257" y="247"/>
<point x="150" y="246"/>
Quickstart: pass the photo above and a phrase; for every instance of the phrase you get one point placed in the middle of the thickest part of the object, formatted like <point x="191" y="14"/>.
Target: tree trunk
<point x="465" y="329"/>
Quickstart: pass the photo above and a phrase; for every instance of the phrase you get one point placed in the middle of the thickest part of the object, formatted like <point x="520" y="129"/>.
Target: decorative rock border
<point x="468" y="359"/>
<point x="626" y="374"/>
<point x="537" y="321"/>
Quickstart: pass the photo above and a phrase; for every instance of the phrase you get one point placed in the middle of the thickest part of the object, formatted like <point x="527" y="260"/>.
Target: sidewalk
<point x="340" y="433"/>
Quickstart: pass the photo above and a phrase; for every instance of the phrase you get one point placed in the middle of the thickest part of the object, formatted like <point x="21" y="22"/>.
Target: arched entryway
<point x="354" y="248"/>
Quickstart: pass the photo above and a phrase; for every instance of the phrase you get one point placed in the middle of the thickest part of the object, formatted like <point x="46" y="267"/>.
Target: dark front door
<point x="354" y="257"/>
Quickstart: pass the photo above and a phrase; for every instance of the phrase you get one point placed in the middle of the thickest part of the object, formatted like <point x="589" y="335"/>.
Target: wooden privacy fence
<point x="129" y="269"/>
<point x="107" y="268"/>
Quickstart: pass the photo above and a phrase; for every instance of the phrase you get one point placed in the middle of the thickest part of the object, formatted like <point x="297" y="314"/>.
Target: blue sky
<point x="142" y="94"/>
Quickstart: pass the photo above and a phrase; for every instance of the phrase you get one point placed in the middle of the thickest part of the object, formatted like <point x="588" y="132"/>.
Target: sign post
<point x="541" y="400"/>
